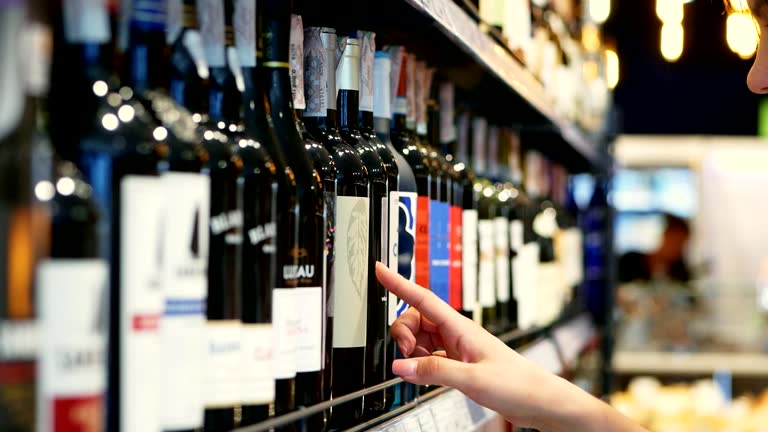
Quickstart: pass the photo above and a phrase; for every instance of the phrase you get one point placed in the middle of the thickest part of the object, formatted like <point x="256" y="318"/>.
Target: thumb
<point x="433" y="370"/>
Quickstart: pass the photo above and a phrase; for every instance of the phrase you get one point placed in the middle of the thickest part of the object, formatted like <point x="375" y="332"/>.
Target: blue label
<point x="178" y="307"/>
<point x="406" y="259"/>
<point x="149" y="14"/>
<point x="439" y="249"/>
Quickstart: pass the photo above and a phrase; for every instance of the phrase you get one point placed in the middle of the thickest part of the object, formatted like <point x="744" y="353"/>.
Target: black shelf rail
<point x="515" y="339"/>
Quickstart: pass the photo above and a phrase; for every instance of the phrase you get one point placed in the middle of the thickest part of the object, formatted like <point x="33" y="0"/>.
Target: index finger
<point x="424" y="300"/>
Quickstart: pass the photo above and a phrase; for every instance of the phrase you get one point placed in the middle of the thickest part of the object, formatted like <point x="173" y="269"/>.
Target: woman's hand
<point x="446" y="348"/>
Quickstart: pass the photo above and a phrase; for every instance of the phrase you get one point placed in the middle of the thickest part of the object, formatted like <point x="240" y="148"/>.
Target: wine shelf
<point x="555" y="347"/>
<point x="497" y="84"/>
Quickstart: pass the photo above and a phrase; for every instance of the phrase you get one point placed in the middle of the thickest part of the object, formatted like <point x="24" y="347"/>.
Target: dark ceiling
<point x="704" y="92"/>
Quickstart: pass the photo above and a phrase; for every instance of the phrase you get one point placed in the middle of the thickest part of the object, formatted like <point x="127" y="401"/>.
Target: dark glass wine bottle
<point x="268" y="196"/>
<point x="192" y="30"/>
<point x="222" y="131"/>
<point x="379" y="363"/>
<point x="486" y="275"/>
<point x="469" y="218"/>
<point x="350" y="278"/>
<point x="305" y="277"/>
<point x="403" y="138"/>
<point x="116" y="146"/>
<point x="326" y="168"/>
<point x="402" y="210"/>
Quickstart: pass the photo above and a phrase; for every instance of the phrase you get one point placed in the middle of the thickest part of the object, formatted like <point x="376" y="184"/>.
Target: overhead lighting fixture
<point x="670" y="11"/>
<point x="741" y="34"/>
<point x="672" y="37"/>
<point x="599" y="10"/>
<point x="611" y="68"/>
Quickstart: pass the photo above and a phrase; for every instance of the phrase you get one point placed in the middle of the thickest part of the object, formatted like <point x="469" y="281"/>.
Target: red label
<point x="17" y="372"/>
<point x="145" y="322"/>
<point x="421" y="243"/>
<point x="454" y="282"/>
<point x="78" y="414"/>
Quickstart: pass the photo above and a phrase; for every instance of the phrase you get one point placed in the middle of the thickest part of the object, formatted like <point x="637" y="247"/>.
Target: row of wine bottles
<point x="193" y="201"/>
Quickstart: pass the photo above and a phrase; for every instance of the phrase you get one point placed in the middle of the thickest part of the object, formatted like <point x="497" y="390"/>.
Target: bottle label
<point x="439" y="249"/>
<point x="257" y="382"/>
<point x="396" y="55"/>
<point x="486" y="272"/>
<point x="348" y="69"/>
<point x="421" y="247"/>
<point x="456" y="252"/>
<point x="244" y="23"/>
<point x="549" y="292"/>
<point x="382" y="99"/>
<point x="86" y="21"/>
<point x="193" y="42"/>
<point x="72" y="302"/>
<point x="446" y="95"/>
<point x="185" y="285"/>
<point x="367" y="50"/>
<point x="526" y="277"/>
<point x="384" y="236"/>
<point x="143" y="200"/>
<point x="516" y="234"/>
<point x="210" y="17"/>
<point x="330" y="250"/>
<point x="221" y="378"/>
<point x="310" y="329"/>
<point x="501" y="238"/>
<point x="285" y="323"/>
<point x="479" y="129"/>
<point x="315" y="74"/>
<point x="389" y="238"/>
<point x="351" y="267"/>
<point x="296" y="59"/>
<point x="469" y="259"/>
<point x="404" y="213"/>
<point x="12" y="108"/>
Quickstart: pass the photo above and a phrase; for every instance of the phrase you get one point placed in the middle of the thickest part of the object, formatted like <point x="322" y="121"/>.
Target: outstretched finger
<point x="422" y="299"/>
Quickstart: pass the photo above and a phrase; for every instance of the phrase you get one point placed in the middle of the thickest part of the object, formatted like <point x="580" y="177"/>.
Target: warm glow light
<point x="590" y="37"/>
<point x="672" y="41"/>
<point x="739" y="5"/>
<point x="110" y="122"/>
<point x="100" y="88"/>
<point x="670" y="11"/>
<point x="741" y="34"/>
<point x="44" y="190"/>
<point x="599" y="10"/>
<point x="590" y="70"/>
<point x="65" y="186"/>
<point x="126" y="113"/>
<point x="160" y="133"/>
<point x="611" y="68"/>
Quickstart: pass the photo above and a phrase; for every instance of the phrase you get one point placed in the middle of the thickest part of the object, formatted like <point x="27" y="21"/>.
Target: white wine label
<point x="393" y="208"/>
<point x="351" y="272"/>
<point x="285" y="323"/>
<point x="516" y="234"/>
<point x="257" y="381"/>
<point x="244" y="24"/>
<point x="86" y="21"/>
<point x="210" y="18"/>
<point x="296" y="59"/>
<point x="549" y="292"/>
<point x="11" y="72"/>
<point x="185" y="284"/>
<point x="315" y="74"/>
<point x="141" y="291"/>
<point x="527" y="278"/>
<point x="469" y="259"/>
<point x="367" y="50"/>
<point x="72" y="306"/>
<point x="221" y="378"/>
<point x="382" y="96"/>
<point x="486" y="280"/>
<point x="309" y="342"/>
<point x="501" y="237"/>
<point x="18" y="339"/>
<point x="329" y="41"/>
<point x="396" y="57"/>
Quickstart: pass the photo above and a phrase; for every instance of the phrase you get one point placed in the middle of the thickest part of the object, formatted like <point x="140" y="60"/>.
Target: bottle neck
<point x="147" y="65"/>
<point x="433" y="124"/>
<point x="349" y="102"/>
<point x="382" y="126"/>
<point x="366" y="120"/>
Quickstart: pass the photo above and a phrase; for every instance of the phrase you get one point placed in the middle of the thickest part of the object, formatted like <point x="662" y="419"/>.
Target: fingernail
<point x="404" y="367"/>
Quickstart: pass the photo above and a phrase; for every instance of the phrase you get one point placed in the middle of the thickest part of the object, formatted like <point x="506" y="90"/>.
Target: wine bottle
<point x="469" y="219"/>
<point x="222" y="130"/>
<point x="19" y="210"/>
<point x="440" y="247"/>
<point x="350" y="271"/>
<point x="305" y="277"/>
<point x="500" y="231"/>
<point x="597" y="242"/>
<point x="347" y="103"/>
<point x="403" y="138"/>
<point x="447" y="139"/>
<point x="326" y="168"/>
<point x="525" y="262"/>
<point x="402" y="211"/>
<point x="486" y="274"/>
<point x="379" y="363"/>
<point x="117" y="147"/>
<point x="193" y="44"/>
<point x="267" y="192"/>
